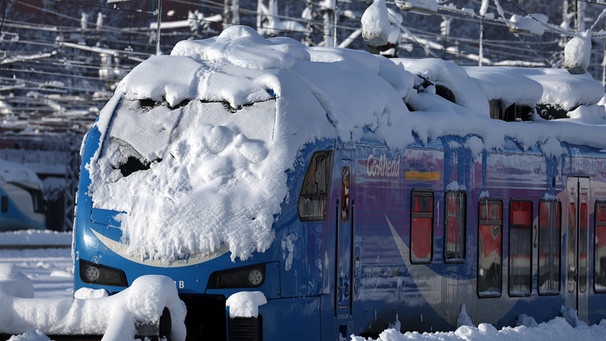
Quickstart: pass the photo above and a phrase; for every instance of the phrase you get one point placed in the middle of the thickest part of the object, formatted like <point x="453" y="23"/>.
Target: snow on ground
<point x="50" y="271"/>
<point x="36" y="295"/>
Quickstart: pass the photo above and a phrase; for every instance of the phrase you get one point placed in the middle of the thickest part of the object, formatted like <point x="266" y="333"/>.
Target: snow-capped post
<point x="245" y="303"/>
<point x="577" y="53"/>
<point x="243" y="309"/>
<point x="375" y="24"/>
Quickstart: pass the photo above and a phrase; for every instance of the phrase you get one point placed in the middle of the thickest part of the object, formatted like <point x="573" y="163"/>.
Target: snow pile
<point x="245" y="303"/>
<point x="202" y="141"/>
<point x="113" y="317"/>
<point x="558" y="329"/>
<point x="530" y="24"/>
<point x="577" y="53"/>
<point x="418" y="5"/>
<point x="531" y="86"/>
<point x="375" y="24"/>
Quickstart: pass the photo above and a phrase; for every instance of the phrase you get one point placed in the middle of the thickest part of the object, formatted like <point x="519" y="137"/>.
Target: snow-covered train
<point x="21" y="199"/>
<point x="340" y="191"/>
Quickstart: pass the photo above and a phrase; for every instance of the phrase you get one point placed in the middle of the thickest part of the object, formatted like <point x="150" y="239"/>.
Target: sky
<point x="237" y="109"/>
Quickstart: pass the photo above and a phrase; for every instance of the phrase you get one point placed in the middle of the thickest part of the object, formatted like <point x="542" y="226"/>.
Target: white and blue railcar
<point x="21" y="198"/>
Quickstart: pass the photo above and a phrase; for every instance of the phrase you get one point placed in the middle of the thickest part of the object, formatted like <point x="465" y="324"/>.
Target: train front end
<point x="183" y="182"/>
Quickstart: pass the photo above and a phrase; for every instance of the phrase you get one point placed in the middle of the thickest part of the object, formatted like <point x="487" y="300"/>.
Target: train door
<point x="344" y="249"/>
<point x="576" y="244"/>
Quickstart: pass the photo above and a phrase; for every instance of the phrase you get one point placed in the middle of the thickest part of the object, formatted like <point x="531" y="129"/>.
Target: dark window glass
<point x="490" y="237"/>
<point x="550" y="219"/>
<point x="454" y="226"/>
<point x="314" y="193"/>
<point x="600" y="246"/>
<point x="520" y="247"/>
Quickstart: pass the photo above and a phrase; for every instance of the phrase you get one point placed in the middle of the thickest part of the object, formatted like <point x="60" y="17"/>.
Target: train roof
<point x="246" y="105"/>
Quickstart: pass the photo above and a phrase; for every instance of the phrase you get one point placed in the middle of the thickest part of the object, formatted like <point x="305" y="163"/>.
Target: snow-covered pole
<point x="329" y="22"/>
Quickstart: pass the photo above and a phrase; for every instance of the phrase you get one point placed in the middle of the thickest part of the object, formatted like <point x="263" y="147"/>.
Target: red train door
<point x="576" y="243"/>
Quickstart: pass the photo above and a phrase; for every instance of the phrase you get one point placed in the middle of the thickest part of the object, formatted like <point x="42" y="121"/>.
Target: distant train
<point x="350" y="190"/>
<point x="21" y="199"/>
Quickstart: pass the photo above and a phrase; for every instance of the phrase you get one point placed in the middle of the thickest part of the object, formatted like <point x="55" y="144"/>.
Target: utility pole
<point x="329" y="13"/>
<point x="231" y="12"/>
<point x="158" y="52"/>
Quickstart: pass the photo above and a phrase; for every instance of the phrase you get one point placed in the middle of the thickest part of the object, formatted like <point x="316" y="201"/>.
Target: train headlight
<point x="100" y="274"/>
<point x="255" y="277"/>
<point x="244" y="277"/>
<point x="91" y="274"/>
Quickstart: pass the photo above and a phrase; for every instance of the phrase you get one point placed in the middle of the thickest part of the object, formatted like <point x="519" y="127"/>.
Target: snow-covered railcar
<point x="315" y="193"/>
<point x="21" y="199"/>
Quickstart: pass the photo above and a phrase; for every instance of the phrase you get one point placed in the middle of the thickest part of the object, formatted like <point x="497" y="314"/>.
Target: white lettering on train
<point x="382" y="167"/>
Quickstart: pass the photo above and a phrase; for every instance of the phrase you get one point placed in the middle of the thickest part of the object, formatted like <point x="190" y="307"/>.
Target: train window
<point x="490" y="236"/>
<point x="421" y="226"/>
<point x="4" y="203"/>
<point x="520" y="247"/>
<point x="550" y="220"/>
<point x="314" y="193"/>
<point x="454" y="226"/>
<point x="600" y="246"/>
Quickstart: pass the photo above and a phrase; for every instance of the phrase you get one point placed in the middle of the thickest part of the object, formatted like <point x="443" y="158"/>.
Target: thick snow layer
<point x="245" y="303"/>
<point x="531" y="86"/>
<point x="238" y="107"/>
<point x="530" y="24"/>
<point x="375" y="24"/>
<point x="15" y="172"/>
<point x="577" y="52"/>
<point x="113" y="317"/>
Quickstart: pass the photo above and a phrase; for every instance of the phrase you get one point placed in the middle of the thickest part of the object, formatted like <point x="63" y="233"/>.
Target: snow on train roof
<point x="18" y="173"/>
<point x="240" y="107"/>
